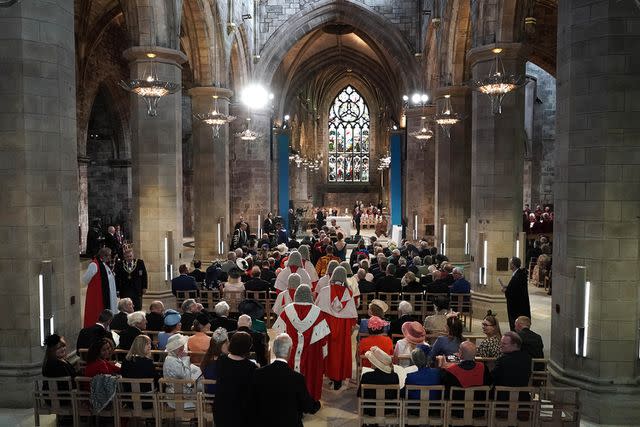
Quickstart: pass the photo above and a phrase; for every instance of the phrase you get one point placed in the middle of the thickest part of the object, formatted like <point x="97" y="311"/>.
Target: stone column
<point x="597" y="200"/>
<point x="251" y="170"/>
<point x="38" y="189"/>
<point x="453" y="173"/>
<point x="496" y="177"/>
<point x="419" y="174"/>
<point x="211" y="174"/>
<point x="156" y="155"/>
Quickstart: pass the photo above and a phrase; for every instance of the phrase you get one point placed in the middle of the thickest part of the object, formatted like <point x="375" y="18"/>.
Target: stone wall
<point x="402" y="14"/>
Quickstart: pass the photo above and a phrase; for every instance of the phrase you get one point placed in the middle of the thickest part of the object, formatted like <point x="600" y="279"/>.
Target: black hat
<point x="202" y="318"/>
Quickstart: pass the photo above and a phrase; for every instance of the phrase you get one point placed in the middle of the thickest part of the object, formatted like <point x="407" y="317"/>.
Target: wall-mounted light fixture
<point x="220" y="239"/>
<point x="466" y="238"/>
<point x="168" y="255"/>
<point x="443" y="244"/>
<point x="259" y="235"/>
<point x="415" y="227"/>
<point x="582" y="301"/>
<point x="45" y="299"/>
<point x="484" y="253"/>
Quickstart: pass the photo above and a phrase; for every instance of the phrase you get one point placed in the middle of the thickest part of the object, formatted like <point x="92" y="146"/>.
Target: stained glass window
<point x="349" y="138"/>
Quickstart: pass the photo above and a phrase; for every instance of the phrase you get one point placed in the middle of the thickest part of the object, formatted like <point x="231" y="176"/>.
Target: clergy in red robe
<point x="101" y="288"/>
<point x="307" y="326"/>
<point x="285" y="298"/>
<point x="336" y="300"/>
<point x="294" y="265"/>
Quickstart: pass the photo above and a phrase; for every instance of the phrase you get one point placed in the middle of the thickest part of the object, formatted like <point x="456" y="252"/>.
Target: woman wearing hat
<point x="177" y="365"/>
<point x="382" y="374"/>
<point x="376" y="308"/>
<point x="235" y="372"/>
<point x="199" y="341"/>
<point x="376" y="338"/>
<point x="336" y="300"/>
<point x="294" y="265"/>
<point x="414" y="336"/>
<point x="172" y="326"/>
<point x="55" y="358"/>
<point x="218" y="345"/>
<point x="307" y="326"/>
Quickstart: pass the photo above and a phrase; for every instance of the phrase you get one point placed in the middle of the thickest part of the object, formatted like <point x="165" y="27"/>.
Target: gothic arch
<point x="388" y="40"/>
<point x="238" y="63"/>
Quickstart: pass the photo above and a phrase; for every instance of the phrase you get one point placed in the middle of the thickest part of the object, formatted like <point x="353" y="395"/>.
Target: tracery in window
<point x="349" y="138"/>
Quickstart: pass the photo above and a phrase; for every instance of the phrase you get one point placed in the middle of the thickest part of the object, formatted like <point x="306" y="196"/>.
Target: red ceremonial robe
<point x="306" y="324"/>
<point x="97" y="298"/>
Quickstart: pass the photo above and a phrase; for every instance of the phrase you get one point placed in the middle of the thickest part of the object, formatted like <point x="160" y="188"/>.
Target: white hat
<point x="175" y="342"/>
<point x="242" y="264"/>
<point x="380" y="359"/>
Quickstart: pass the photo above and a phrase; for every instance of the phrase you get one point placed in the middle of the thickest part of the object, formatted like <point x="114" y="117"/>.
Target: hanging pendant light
<point x="424" y="134"/>
<point x="447" y="117"/>
<point x="497" y="84"/>
<point x="248" y="134"/>
<point x="215" y="118"/>
<point x="149" y="87"/>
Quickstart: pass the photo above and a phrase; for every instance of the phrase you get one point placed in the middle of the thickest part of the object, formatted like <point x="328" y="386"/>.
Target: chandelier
<point x="497" y="84"/>
<point x="424" y="134"/>
<point x="215" y="118"/>
<point x="447" y="118"/>
<point x="149" y="87"/>
<point x="248" y="134"/>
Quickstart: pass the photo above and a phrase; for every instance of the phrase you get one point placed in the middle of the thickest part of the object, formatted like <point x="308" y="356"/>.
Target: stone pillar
<point x="38" y="189"/>
<point x="419" y="174"/>
<point x="597" y="200"/>
<point x="453" y="173"/>
<point x="251" y="170"/>
<point x="496" y="177"/>
<point x="211" y="174"/>
<point x="156" y="155"/>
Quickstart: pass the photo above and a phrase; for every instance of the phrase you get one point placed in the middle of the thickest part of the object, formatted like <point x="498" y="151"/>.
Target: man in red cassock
<point x="336" y="301"/>
<point x="101" y="288"/>
<point x="307" y="326"/>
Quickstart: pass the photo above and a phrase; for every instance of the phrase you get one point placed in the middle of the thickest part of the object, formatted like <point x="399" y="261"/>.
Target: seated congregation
<point x="212" y="358"/>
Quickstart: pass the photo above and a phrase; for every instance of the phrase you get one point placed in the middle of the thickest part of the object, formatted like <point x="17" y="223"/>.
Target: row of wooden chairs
<point x="118" y="355"/>
<point x="209" y="298"/>
<point x="138" y="399"/>
<point x="473" y="406"/>
<point x="422" y="303"/>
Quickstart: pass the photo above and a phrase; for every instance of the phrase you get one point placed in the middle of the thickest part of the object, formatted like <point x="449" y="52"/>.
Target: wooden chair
<point x="513" y="407"/>
<point x="209" y="299"/>
<point x="430" y="299"/>
<point x="136" y="398"/>
<point x="53" y="396"/>
<point x="153" y="335"/>
<point x="474" y="338"/>
<point x="205" y="404"/>
<point x="417" y="301"/>
<point x="233" y="298"/>
<point x="183" y="295"/>
<point x="392" y="299"/>
<point x="559" y="406"/>
<point x="179" y="405"/>
<point x="462" y="304"/>
<point x="428" y="409"/>
<point x="82" y="399"/>
<point x="469" y="406"/>
<point x="365" y="299"/>
<point x="539" y="373"/>
<point x="376" y="405"/>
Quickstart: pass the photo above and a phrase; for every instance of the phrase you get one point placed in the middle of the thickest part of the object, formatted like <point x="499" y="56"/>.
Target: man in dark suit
<point x="516" y="293"/>
<point x="119" y="321"/>
<point x="439" y="285"/>
<point x="531" y="342"/>
<point x="256" y="283"/>
<point x="183" y="282"/>
<point x="389" y="282"/>
<point x="222" y="319"/>
<point x="284" y="405"/>
<point x="89" y="335"/>
<point x="131" y="278"/>
<point x="111" y="242"/>
<point x="197" y="274"/>
<point x="513" y="368"/>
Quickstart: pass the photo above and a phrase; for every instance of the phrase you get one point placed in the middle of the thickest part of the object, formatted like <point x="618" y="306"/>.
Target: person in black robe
<point x="131" y="278"/>
<point x="516" y="293"/>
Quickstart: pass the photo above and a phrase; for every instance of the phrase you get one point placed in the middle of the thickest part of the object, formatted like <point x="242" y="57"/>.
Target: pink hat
<point x="374" y="323"/>
<point x="414" y="332"/>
